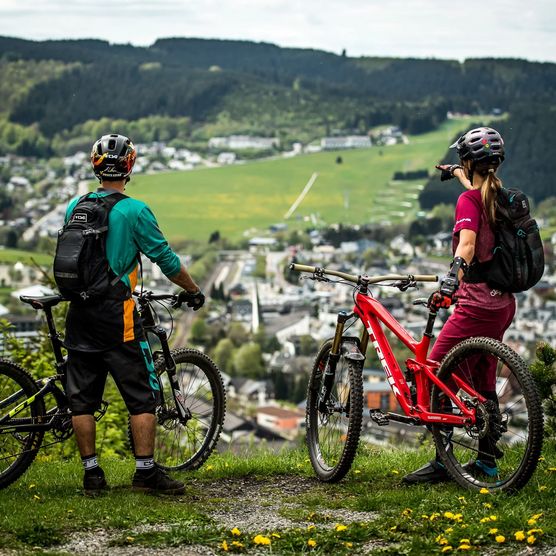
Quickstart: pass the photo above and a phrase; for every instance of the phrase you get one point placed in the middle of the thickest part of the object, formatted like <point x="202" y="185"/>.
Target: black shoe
<point x="157" y="481"/>
<point x="94" y="482"/>
<point x="479" y="468"/>
<point x="432" y="472"/>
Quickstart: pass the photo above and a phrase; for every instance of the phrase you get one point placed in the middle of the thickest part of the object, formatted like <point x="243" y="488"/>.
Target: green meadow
<point x="250" y="197"/>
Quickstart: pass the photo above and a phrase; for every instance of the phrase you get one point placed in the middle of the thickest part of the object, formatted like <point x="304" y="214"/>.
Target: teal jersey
<point x="132" y="228"/>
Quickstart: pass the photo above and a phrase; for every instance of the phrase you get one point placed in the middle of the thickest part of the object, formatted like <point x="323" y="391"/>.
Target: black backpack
<point x="517" y="263"/>
<point x="81" y="268"/>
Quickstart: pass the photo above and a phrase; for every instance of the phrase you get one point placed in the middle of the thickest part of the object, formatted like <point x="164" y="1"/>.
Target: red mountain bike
<point x="442" y="396"/>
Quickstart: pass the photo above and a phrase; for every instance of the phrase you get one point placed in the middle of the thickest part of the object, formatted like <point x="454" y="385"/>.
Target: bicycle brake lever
<point x="420" y="301"/>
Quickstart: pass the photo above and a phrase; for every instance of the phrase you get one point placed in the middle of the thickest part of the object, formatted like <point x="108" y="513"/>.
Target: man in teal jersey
<point x="107" y="336"/>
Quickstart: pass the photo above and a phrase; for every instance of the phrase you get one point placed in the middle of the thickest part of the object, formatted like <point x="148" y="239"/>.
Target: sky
<point x="416" y="28"/>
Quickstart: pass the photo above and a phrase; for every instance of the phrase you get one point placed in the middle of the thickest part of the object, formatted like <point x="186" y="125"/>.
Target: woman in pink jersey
<point x="480" y="310"/>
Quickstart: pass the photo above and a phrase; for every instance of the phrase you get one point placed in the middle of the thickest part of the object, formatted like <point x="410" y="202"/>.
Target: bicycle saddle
<point x="41" y="301"/>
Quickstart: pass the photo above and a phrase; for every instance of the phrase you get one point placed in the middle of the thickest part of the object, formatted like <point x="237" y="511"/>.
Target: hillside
<point x="55" y="91"/>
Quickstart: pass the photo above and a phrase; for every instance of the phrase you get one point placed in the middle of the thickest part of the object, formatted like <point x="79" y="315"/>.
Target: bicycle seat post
<point x="54" y="336"/>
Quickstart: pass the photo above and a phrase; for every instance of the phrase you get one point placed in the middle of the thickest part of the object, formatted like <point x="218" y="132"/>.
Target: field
<point x="191" y="205"/>
<point x="12" y="256"/>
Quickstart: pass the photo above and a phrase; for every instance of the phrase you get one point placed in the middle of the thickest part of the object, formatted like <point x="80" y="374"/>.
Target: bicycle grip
<point x="302" y="268"/>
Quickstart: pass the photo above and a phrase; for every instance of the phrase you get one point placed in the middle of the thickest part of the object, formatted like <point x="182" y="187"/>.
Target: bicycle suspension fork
<point x="170" y="364"/>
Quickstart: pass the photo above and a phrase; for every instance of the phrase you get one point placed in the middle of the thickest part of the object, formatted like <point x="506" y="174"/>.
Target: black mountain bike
<point x="189" y="418"/>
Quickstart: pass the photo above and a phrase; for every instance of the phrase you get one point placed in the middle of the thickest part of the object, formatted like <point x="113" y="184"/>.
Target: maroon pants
<point x="468" y="322"/>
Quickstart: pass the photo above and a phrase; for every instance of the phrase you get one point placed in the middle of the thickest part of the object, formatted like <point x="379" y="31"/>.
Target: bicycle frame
<point x="372" y="313"/>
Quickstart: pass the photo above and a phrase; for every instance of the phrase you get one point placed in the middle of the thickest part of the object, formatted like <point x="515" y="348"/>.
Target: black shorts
<point x="132" y="368"/>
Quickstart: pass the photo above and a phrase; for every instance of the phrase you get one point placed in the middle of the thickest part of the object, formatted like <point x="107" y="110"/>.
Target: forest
<point x="56" y="92"/>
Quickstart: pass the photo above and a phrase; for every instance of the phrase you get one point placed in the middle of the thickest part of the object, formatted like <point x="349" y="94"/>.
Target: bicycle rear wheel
<point x="186" y="446"/>
<point x="333" y="432"/>
<point x="17" y="449"/>
<point x="500" y="451"/>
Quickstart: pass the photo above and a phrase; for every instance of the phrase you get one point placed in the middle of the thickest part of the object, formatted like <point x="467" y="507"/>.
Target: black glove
<point x="448" y="171"/>
<point x="194" y="300"/>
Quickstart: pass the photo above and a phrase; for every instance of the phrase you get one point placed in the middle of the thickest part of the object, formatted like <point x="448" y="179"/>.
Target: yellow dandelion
<point x="238" y="544"/>
<point x="449" y="515"/>
<point x="464" y="541"/>
<point x="312" y="543"/>
<point x="531" y="521"/>
<point x="461" y="498"/>
<point x="443" y="542"/>
<point x="464" y="547"/>
<point x="32" y="485"/>
<point x="407" y="512"/>
<point x="129" y="539"/>
<point x="484" y="491"/>
<point x="261" y="539"/>
<point x="531" y="539"/>
<point x="542" y="488"/>
<point x="519" y="535"/>
<point x="552" y="469"/>
<point x="340" y="527"/>
<point x="537" y="516"/>
<point x="395" y="472"/>
<point x="357" y="471"/>
<point x="485" y="520"/>
<point x="500" y="538"/>
<point x="393" y="528"/>
<point x="224" y="546"/>
<point x="276" y="535"/>
<point x="541" y="458"/>
<point x="311" y="527"/>
<point x="531" y="531"/>
<point x="449" y="530"/>
<point x="487" y="505"/>
<point x="434" y="516"/>
<point x="464" y="526"/>
<point x="210" y="467"/>
<point x="235" y="532"/>
<point x="458" y="517"/>
<point x="493" y="517"/>
<point x="36" y="497"/>
<point x="447" y="548"/>
<point x="493" y="531"/>
<point x="425" y="516"/>
<point x="348" y="544"/>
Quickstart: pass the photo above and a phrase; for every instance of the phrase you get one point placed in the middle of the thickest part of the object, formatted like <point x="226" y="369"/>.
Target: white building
<point x="347" y="142"/>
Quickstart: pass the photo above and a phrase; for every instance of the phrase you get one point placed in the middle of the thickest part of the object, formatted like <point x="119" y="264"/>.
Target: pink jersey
<point x="471" y="215"/>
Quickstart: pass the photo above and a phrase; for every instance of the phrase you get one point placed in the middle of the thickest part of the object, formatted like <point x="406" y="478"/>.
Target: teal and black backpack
<point x="517" y="263"/>
<point x="81" y="269"/>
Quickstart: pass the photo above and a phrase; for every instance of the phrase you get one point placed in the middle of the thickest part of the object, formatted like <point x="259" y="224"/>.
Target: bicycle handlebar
<point x="357" y="279"/>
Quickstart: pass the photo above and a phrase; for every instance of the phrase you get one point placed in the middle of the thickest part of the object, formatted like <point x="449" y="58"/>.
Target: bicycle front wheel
<point x="186" y="446"/>
<point x="17" y="448"/>
<point x="334" y="426"/>
<point x="501" y="450"/>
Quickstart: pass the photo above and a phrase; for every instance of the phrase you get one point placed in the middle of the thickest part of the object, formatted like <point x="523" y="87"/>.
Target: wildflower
<point x="238" y="544"/>
<point x="340" y="527"/>
<point x="541" y="458"/>
<point x="447" y="549"/>
<point x="425" y="516"/>
<point x="210" y="467"/>
<point x="36" y="497"/>
<point x="531" y="521"/>
<point x="449" y="530"/>
<point x="485" y="520"/>
<point x="407" y="512"/>
<point x="443" y="541"/>
<point x="531" y="539"/>
<point x="493" y="531"/>
<point x="461" y="499"/>
<point x="484" y="491"/>
<point x="312" y="543"/>
<point x="357" y="471"/>
<point x="449" y="515"/>
<point x="487" y="505"/>
<point x="311" y="527"/>
<point x="235" y="532"/>
<point x="433" y="516"/>
<point x="458" y="517"/>
<point x="537" y="516"/>
<point x="552" y="469"/>
<point x="129" y="539"/>
<point x="393" y="528"/>
<point x="493" y="518"/>
<point x="348" y="544"/>
<point x="464" y="541"/>
<point x="542" y="488"/>
<point x="464" y="547"/>
<point x="500" y="538"/>
<point x="531" y="531"/>
<point x="224" y="546"/>
<point x="261" y="539"/>
<point x="32" y="485"/>
<point x="275" y="535"/>
<point x="395" y="472"/>
<point x="519" y="536"/>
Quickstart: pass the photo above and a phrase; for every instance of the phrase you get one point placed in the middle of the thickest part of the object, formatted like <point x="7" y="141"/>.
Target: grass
<point x="12" y="256"/>
<point x="191" y="205"/>
<point x="46" y="505"/>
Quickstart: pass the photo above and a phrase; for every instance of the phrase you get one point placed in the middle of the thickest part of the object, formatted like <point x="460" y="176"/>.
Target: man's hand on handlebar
<point x="195" y="300"/>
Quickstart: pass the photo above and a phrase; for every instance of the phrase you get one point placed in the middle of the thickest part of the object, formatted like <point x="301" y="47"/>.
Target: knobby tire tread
<point x="339" y="471"/>
<point x="28" y="385"/>
<point x="533" y="402"/>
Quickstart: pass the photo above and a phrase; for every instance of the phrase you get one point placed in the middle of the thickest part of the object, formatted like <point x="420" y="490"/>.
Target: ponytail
<point x="489" y="193"/>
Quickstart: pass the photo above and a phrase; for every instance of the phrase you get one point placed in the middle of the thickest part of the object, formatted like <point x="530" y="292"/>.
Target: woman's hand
<point x="450" y="171"/>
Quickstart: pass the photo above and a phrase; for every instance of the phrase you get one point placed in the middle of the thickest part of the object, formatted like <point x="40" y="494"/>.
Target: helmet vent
<point x="112" y="144"/>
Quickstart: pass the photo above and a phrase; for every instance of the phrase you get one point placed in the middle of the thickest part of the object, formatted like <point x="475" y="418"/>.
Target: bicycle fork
<point x="183" y="411"/>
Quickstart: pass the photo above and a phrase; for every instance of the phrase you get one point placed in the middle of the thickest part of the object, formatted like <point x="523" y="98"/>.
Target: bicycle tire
<point x="171" y="450"/>
<point x="331" y="464"/>
<point x="17" y="452"/>
<point x="512" y="425"/>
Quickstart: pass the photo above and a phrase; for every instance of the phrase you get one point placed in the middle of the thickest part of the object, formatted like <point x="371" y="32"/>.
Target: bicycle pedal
<point x="378" y="417"/>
